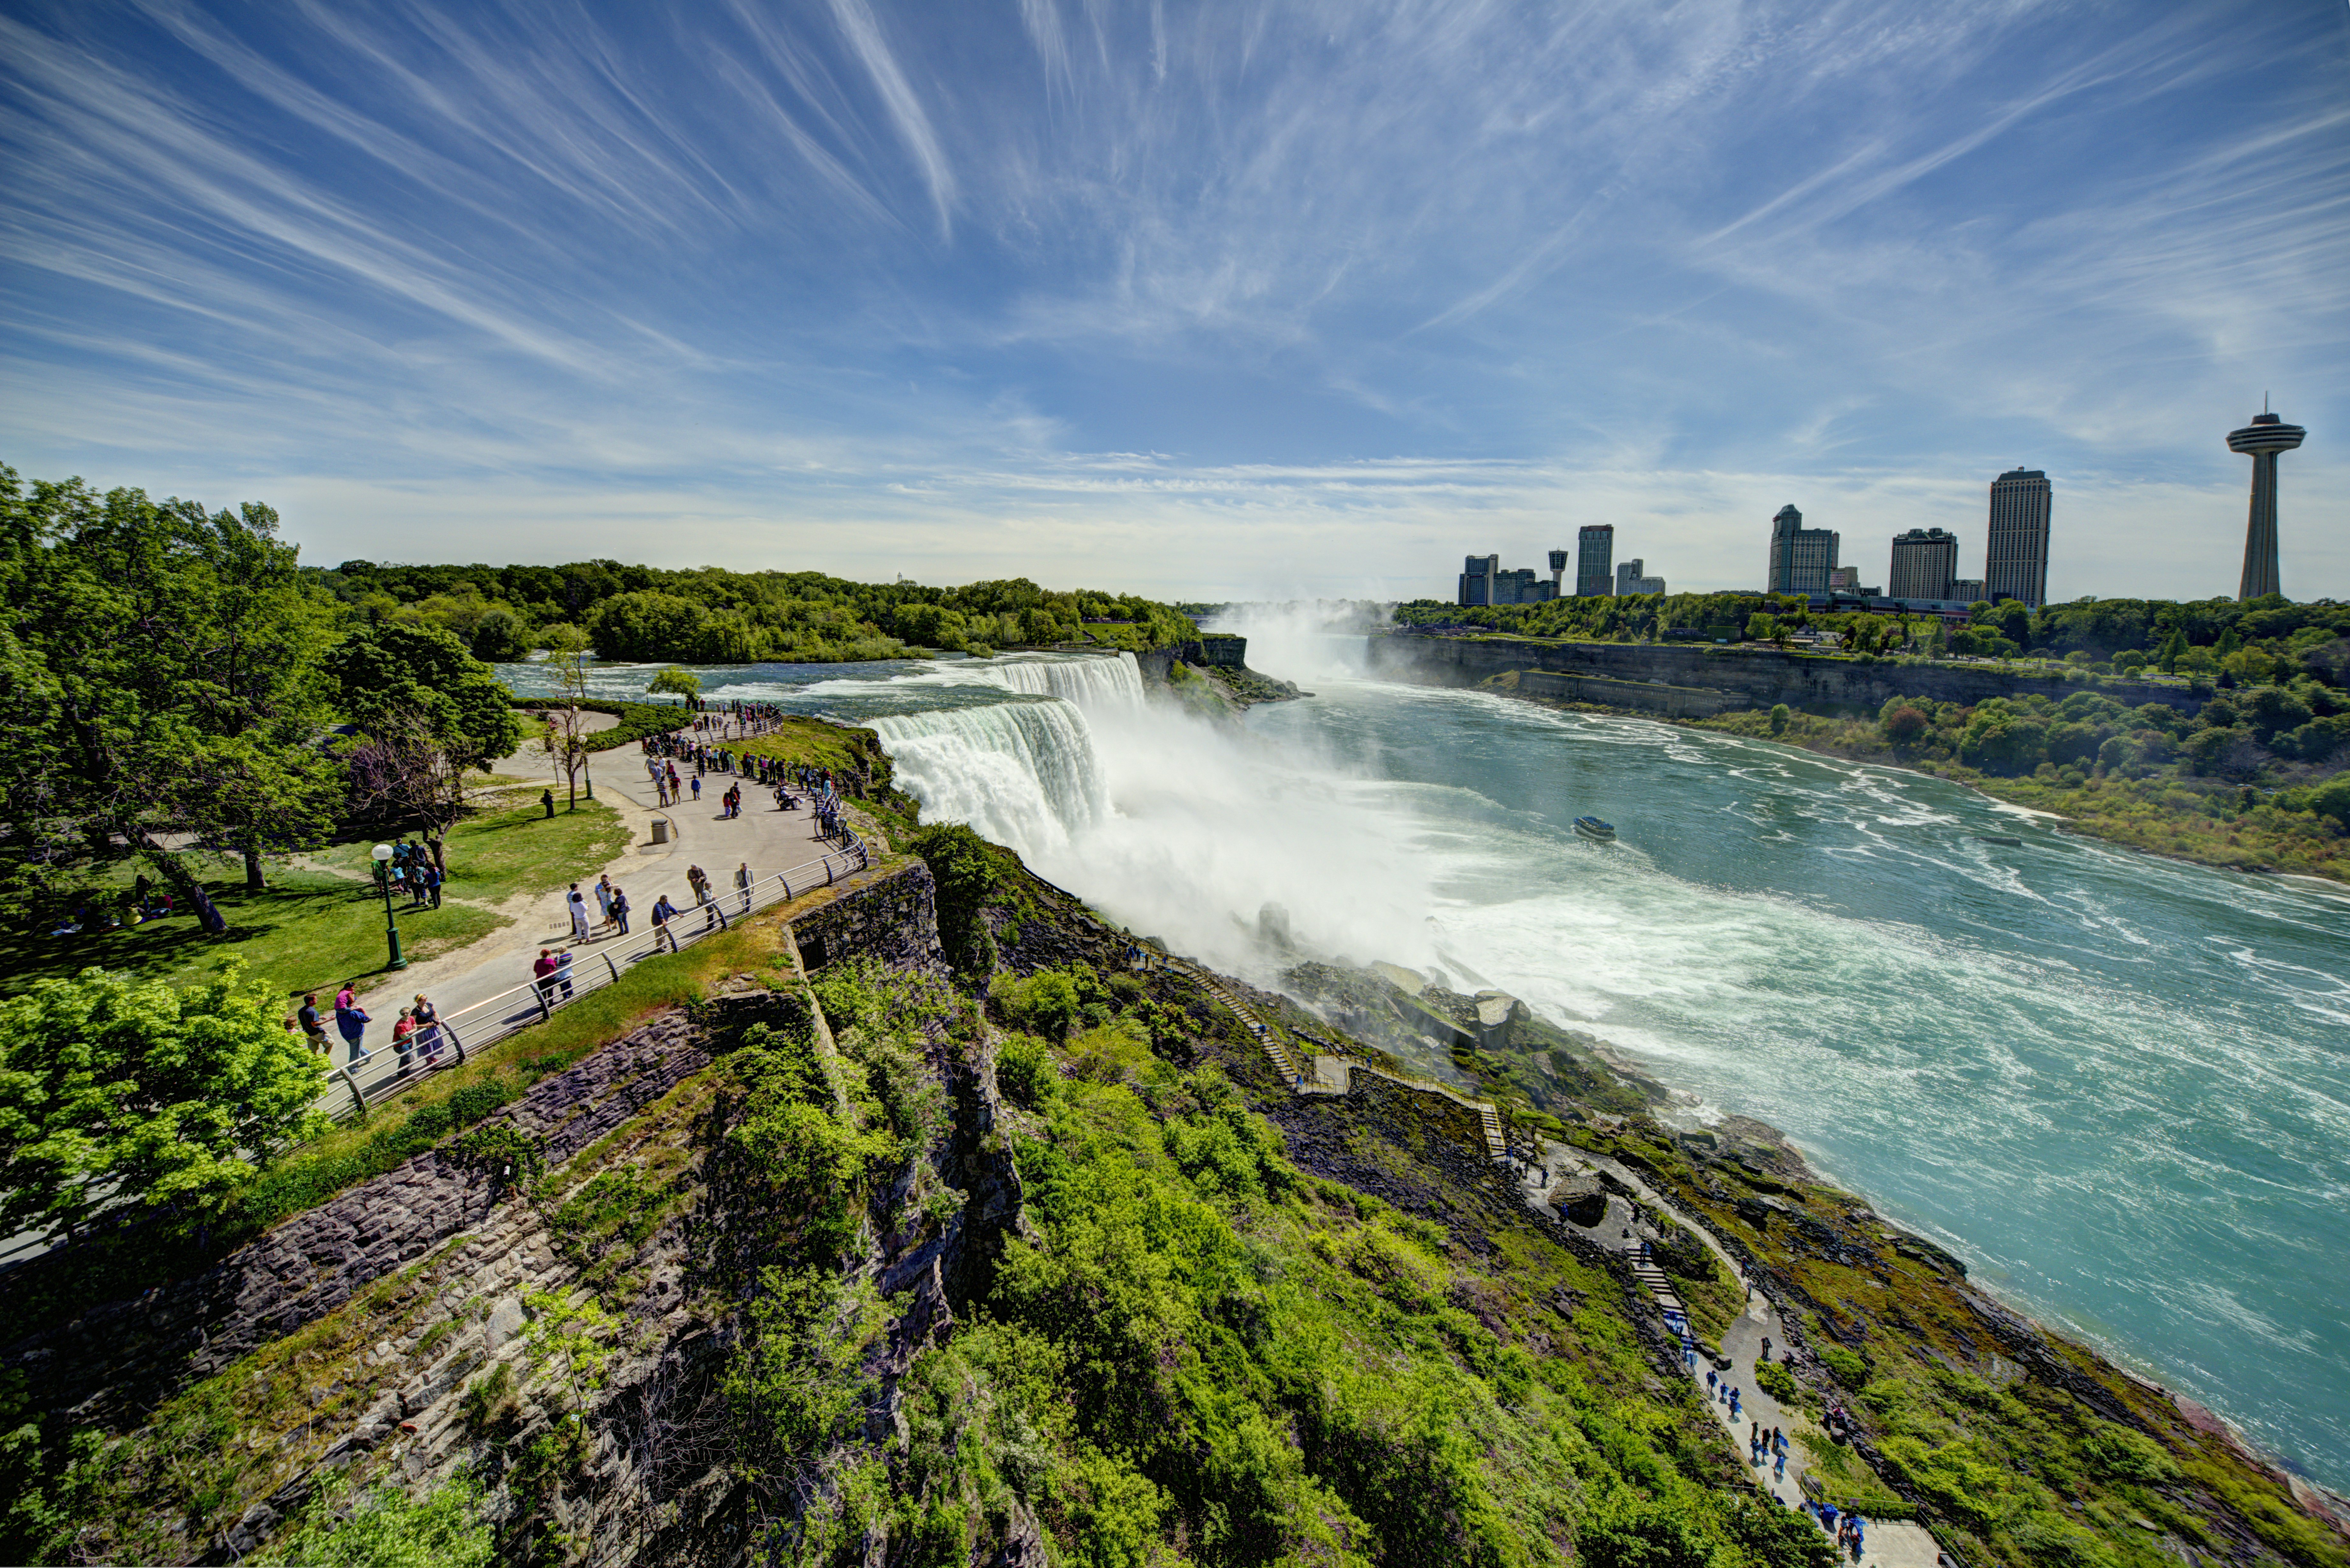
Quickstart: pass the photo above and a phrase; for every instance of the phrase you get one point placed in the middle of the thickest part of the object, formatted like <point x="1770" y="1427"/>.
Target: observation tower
<point x="2266" y="436"/>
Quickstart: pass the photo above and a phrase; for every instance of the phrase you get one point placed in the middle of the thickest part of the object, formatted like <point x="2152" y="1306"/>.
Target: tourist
<point x="563" y="971"/>
<point x="697" y="781"/>
<point x="350" y="1022"/>
<point x="604" y="900"/>
<point x="428" y="1028"/>
<point x="542" y="975"/>
<point x="621" y="910"/>
<point x="743" y="881"/>
<point x="578" y="905"/>
<point x="314" y="1028"/>
<point x="547" y="800"/>
<point x="662" y="911"/>
<point x="403" y="1030"/>
<point x="1709" y="1382"/>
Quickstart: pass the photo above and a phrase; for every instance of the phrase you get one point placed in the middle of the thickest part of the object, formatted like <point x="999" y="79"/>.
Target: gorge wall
<point x="1698" y="682"/>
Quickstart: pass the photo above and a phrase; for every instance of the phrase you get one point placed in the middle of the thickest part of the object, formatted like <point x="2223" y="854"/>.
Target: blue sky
<point x="1195" y="299"/>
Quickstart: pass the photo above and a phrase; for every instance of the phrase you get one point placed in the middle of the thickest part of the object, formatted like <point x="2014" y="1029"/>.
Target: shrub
<point x="1024" y="1070"/>
<point x="1779" y="716"/>
<point x="2120" y="1454"/>
<point x="1904" y="725"/>
<point x="474" y="1101"/>
<point x="1851" y="1368"/>
<point x="1773" y="1378"/>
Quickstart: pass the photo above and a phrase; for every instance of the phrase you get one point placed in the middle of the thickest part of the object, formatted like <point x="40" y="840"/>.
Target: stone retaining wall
<point x="117" y="1360"/>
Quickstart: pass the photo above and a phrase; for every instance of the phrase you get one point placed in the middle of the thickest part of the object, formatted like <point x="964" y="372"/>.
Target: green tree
<point x="143" y="1094"/>
<point x="963" y="866"/>
<point x="430" y="710"/>
<point x="565" y="740"/>
<point x="388" y="1529"/>
<point x="683" y="682"/>
<point x="1779" y="717"/>
<point x="177" y="690"/>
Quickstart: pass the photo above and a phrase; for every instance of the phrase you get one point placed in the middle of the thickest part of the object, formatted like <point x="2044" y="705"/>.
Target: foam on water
<point x="2118" y="1085"/>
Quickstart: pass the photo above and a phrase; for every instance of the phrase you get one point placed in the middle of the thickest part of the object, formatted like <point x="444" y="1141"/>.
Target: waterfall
<point x="1022" y="772"/>
<point x="1116" y="681"/>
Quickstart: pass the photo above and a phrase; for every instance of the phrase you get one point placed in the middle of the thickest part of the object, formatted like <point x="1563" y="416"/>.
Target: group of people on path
<point x="735" y="718"/>
<point x="412" y="870"/>
<point x="1763" y="1446"/>
<point x="417" y="1031"/>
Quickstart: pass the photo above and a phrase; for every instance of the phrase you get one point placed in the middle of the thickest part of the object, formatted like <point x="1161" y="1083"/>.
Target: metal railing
<point x="387" y="1070"/>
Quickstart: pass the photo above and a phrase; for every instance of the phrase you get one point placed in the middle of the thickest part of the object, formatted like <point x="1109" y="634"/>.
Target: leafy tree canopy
<point x="120" y="1092"/>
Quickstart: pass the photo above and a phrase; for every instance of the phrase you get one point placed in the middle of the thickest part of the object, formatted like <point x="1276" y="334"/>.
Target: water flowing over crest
<point x="1022" y="772"/>
<point x="2113" y="1082"/>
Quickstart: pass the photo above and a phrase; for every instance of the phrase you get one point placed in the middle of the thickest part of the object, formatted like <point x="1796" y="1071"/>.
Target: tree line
<point x="713" y="616"/>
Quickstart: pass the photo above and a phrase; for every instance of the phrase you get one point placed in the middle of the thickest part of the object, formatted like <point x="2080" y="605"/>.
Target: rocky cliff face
<point x="1697" y="682"/>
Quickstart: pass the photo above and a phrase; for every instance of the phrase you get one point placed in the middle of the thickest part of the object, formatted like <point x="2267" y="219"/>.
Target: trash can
<point x="661" y="830"/>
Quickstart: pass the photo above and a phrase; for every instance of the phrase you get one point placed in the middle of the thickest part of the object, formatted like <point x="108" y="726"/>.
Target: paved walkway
<point x="1890" y="1543"/>
<point x="770" y="840"/>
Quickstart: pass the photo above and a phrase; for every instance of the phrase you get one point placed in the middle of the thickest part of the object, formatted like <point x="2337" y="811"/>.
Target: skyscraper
<point x="1595" y="561"/>
<point x="1477" y="580"/>
<point x="2015" y="562"/>
<point x="1925" y="564"/>
<point x="1557" y="573"/>
<point x="2266" y="436"/>
<point x="1801" y="557"/>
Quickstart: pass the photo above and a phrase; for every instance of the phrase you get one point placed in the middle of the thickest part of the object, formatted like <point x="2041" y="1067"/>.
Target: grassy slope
<point x="315" y="929"/>
<point x="1239" y="1327"/>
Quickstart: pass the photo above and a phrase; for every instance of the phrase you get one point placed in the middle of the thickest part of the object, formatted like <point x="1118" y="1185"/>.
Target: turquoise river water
<point x="2117" y="1085"/>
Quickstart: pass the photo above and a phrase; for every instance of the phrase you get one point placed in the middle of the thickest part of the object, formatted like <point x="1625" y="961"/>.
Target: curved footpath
<point x="1889" y="1543"/>
<point x="770" y="840"/>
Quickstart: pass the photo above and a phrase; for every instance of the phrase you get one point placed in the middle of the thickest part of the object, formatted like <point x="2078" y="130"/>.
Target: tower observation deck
<point x="2266" y="436"/>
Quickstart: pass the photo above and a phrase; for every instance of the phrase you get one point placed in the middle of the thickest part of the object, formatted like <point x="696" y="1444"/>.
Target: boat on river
<point x="2006" y="839"/>
<point x="1592" y="828"/>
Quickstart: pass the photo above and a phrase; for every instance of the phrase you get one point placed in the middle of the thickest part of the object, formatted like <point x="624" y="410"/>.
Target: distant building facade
<point x="1594" y="560"/>
<point x="1557" y="573"/>
<point x="1631" y="579"/>
<point x="1844" y="582"/>
<point x="2015" y="563"/>
<point x="1482" y="582"/>
<point x="1801" y="557"/>
<point x="1967" y="590"/>
<point x="1925" y="565"/>
<point x="1477" y="580"/>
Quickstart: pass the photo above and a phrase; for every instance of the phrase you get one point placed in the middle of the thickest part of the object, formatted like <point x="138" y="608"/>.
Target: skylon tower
<point x="2266" y="436"/>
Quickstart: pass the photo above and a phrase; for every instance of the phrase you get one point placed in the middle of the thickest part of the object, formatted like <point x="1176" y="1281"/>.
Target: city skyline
<point x="860" y="287"/>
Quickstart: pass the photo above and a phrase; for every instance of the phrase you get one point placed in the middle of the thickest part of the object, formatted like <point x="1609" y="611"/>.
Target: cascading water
<point x="1022" y="772"/>
<point x="2113" y="1082"/>
<point x="1090" y="682"/>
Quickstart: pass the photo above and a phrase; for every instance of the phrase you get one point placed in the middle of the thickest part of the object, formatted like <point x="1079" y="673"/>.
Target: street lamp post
<point x="381" y="853"/>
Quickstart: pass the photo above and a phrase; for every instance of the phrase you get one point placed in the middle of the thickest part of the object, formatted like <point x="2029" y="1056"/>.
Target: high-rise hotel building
<point x="1925" y="564"/>
<point x="1801" y="557"/>
<point x="2016" y="560"/>
<point x="1595" y="561"/>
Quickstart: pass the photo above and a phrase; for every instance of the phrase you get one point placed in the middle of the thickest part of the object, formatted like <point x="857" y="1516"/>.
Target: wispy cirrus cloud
<point x="816" y="264"/>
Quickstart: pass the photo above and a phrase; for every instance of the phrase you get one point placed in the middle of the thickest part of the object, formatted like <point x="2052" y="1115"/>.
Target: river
<point x="2117" y="1085"/>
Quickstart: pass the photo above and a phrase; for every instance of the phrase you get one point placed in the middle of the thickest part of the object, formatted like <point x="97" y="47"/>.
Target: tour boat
<point x="1592" y="828"/>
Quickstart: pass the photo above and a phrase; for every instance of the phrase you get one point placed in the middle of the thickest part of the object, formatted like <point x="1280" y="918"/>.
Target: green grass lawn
<point x="510" y="846"/>
<point x="309" y="929"/>
<point x="313" y="928"/>
<point x="810" y="741"/>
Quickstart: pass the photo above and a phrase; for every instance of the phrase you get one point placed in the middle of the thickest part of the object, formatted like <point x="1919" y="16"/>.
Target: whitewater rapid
<point x="2116" y="1085"/>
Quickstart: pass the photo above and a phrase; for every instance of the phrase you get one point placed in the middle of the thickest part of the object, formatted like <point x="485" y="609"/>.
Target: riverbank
<point x="2204" y="822"/>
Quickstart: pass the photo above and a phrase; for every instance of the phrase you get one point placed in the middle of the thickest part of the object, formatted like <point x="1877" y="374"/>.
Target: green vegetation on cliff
<point x="2253" y="781"/>
<point x="710" y="616"/>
